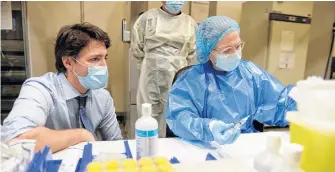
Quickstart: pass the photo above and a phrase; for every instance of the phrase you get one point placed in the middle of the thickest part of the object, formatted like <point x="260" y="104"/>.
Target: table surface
<point x="241" y="152"/>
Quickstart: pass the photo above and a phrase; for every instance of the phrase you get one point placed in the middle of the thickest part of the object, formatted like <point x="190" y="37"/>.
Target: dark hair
<point x="73" y="38"/>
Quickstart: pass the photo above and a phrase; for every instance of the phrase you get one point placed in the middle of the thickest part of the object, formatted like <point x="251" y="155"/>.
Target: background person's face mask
<point x="174" y="7"/>
<point x="96" y="77"/>
<point x="228" y="62"/>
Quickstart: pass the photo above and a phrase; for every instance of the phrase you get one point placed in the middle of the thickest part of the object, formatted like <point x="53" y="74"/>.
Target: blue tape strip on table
<point x="41" y="162"/>
<point x="85" y="159"/>
<point x="174" y="160"/>
<point x="210" y="157"/>
<point x="33" y="161"/>
<point x="127" y="149"/>
<point x="38" y="163"/>
<point x="53" y="165"/>
<point x="78" y="165"/>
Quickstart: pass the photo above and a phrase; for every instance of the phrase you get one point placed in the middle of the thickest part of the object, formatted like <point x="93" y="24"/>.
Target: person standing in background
<point x="163" y="41"/>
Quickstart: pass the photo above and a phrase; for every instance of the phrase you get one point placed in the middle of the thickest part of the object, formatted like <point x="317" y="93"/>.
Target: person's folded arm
<point x="272" y="99"/>
<point x="56" y="139"/>
<point x="137" y="39"/>
<point x="183" y="112"/>
<point x="28" y="117"/>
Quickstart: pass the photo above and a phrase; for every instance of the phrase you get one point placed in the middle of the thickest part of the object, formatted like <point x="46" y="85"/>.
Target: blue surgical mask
<point x="174" y="7"/>
<point x="96" y="77"/>
<point x="228" y="62"/>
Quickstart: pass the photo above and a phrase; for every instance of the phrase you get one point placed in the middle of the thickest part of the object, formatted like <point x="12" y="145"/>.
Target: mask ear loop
<point x="212" y="54"/>
<point x="78" y="62"/>
<point x="74" y="73"/>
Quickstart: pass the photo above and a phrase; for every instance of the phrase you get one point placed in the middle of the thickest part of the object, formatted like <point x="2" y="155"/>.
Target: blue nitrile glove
<point x="224" y="133"/>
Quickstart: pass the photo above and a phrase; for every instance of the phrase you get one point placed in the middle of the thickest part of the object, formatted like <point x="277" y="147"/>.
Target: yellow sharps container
<point x="318" y="139"/>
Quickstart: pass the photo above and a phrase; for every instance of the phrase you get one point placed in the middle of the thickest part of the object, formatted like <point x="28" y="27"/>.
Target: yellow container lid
<point x="149" y="169"/>
<point x="94" y="167"/>
<point x="112" y="165"/>
<point x="161" y="160"/>
<point x="326" y="127"/>
<point x="146" y="162"/>
<point x="165" y="168"/>
<point x="129" y="163"/>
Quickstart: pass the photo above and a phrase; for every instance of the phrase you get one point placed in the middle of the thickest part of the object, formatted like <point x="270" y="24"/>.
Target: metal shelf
<point x="7" y="104"/>
<point x="14" y="69"/>
<point x="11" y="82"/>
<point x="12" y="45"/>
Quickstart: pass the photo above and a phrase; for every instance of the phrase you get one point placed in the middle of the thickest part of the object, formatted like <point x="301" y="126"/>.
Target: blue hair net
<point x="210" y="32"/>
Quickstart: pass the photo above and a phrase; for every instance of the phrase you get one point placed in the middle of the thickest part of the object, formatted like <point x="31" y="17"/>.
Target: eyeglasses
<point x="230" y="50"/>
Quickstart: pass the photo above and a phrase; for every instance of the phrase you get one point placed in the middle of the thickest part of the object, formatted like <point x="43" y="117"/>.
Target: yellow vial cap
<point x="131" y="170"/>
<point x="129" y="163"/>
<point x="165" y="168"/>
<point x="149" y="169"/>
<point x="161" y="160"/>
<point x="94" y="167"/>
<point x="145" y="162"/>
<point x="116" y="170"/>
<point x="112" y="165"/>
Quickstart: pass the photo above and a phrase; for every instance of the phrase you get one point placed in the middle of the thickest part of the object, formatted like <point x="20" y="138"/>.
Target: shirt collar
<point x="69" y="91"/>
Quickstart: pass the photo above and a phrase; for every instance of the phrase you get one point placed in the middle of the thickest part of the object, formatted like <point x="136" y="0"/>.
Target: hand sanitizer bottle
<point x="146" y="133"/>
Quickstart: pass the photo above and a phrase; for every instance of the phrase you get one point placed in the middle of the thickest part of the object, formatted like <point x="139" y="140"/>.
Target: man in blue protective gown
<point x="209" y="98"/>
